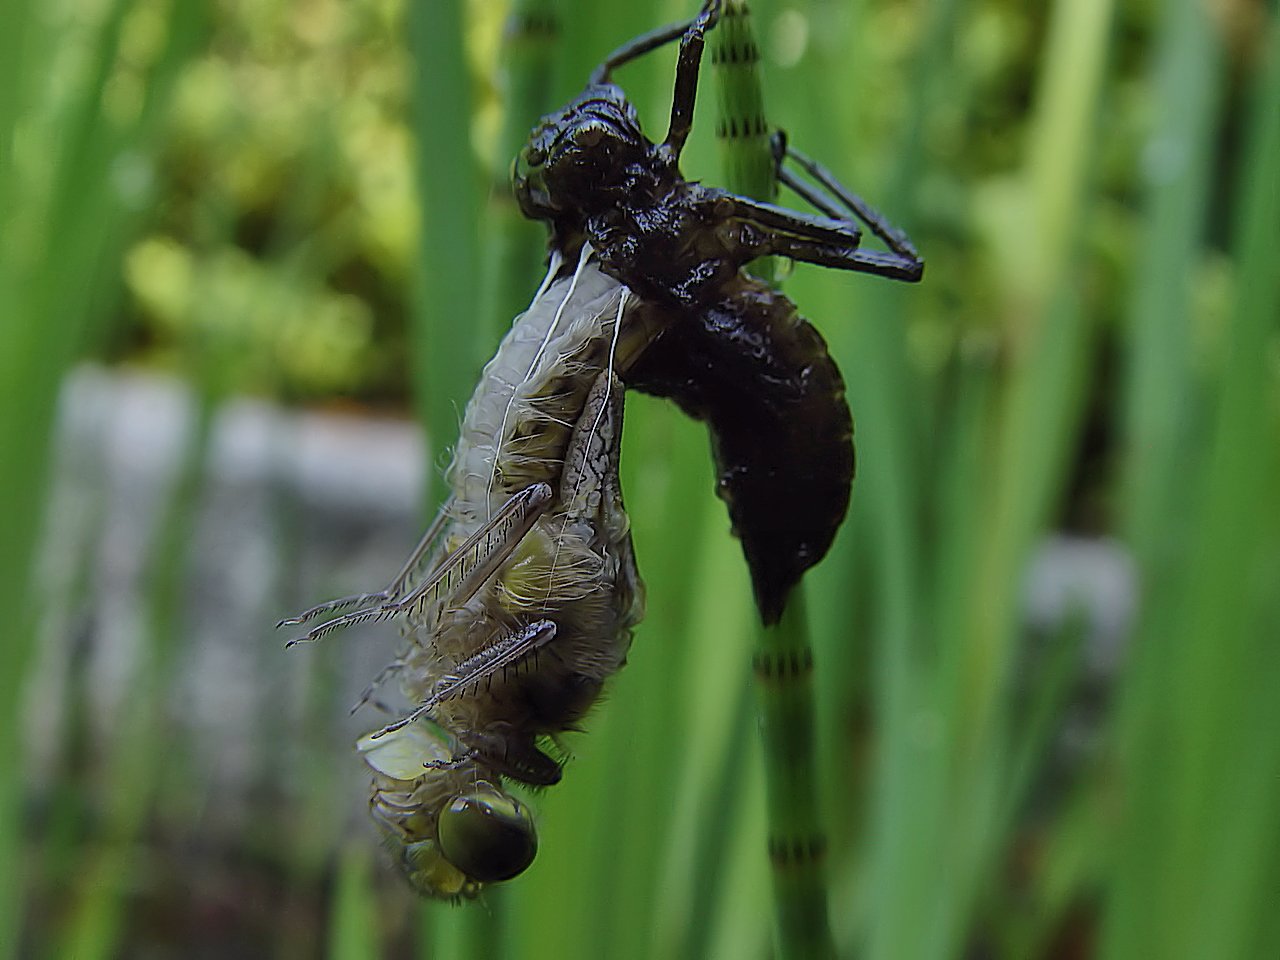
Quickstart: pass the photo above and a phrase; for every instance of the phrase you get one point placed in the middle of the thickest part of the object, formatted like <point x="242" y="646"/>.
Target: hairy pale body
<point x="547" y="410"/>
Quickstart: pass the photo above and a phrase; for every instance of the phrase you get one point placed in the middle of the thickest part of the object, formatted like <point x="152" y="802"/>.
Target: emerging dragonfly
<point x="531" y="591"/>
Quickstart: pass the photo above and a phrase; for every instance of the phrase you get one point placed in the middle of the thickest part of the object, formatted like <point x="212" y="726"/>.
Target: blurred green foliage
<point x="285" y="218"/>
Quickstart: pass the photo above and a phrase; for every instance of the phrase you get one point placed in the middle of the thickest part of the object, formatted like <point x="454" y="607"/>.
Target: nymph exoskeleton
<point x="731" y="350"/>
<point x="529" y="600"/>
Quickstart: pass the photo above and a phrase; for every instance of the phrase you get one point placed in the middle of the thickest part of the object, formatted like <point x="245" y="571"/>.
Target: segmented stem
<point x="741" y="128"/>
<point x="783" y="667"/>
<point x="783" y="661"/>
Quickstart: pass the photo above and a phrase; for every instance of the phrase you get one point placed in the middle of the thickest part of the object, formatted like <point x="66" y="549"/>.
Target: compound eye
<point x="534" y="156"/>
<point x="488" y="834"/>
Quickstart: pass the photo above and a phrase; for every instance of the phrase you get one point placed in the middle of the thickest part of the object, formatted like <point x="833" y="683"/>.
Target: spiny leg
<point x="453" y="763"/>
<point x="511" y="757"/>
<point x="507" y="650"/>
<point x="392" y="590"/>
<point x="589" y="490"/>
<point x="459" y="575"/>
<point x="514" y="755"/>
<point x="383" y="675"/>
<point x="591" y="455"/>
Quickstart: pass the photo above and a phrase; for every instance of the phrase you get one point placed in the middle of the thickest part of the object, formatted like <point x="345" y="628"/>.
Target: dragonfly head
<point x="450" y="830"/>
<point x="483" y="835"/>
<point x="583" y="159"/>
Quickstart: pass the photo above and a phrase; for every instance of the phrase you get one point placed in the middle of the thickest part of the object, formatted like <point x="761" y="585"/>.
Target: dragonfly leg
<point x="839" y="200"/>
<point x="453" y="763"/>
<point x="832" y="239"/>
<point x="457" y="577"/>
<point x="385" y="674"/>
<point x="687" y="67"/>
<point x="504" y="653"/>
<point x="392" y="590"/>
<point x="822" y="240"/>
<point x="516" y="758"/>
<point x="591" y="458"/>
<point x="647" y="42"/>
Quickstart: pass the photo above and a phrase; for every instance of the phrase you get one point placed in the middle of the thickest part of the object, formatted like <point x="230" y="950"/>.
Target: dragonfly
<point x="519" y="602"/>
<point x="528" y="600"/>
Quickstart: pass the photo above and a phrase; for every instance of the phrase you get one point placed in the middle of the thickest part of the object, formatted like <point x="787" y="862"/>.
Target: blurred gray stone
<point x="293" y="508"/>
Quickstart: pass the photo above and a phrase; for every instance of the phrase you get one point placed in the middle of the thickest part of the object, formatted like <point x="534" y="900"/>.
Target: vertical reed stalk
<point x="783" y="661"/>
<point x="514" y="248"/>
<point x="447" y="346"/>
<point x="64" y="212"/>
<point x="447" y="339"/>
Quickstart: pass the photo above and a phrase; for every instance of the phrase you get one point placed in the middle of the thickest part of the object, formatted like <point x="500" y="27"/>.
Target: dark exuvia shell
<point x="732" y="352"/>
<point x="773" y="400"/>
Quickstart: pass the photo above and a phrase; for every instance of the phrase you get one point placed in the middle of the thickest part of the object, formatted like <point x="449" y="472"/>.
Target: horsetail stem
<point x="783" y="660"/>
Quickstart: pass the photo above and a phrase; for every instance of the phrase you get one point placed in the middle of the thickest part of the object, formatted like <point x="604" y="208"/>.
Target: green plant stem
<point x="783" y="661"/>
<point x="57" y="283"/>
<point x="137" y="760"/>
<point x="783" y="666"/>
<point x="446" y="344"/>
<point x="1195" y="865"/>
<point x="1161" y="401"/>
<point x="513" y="247"/>
<point x="742" y="130"/>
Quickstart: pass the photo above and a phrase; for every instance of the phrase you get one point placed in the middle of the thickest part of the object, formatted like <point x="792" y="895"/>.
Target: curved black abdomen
<point x="781" y="434"/>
